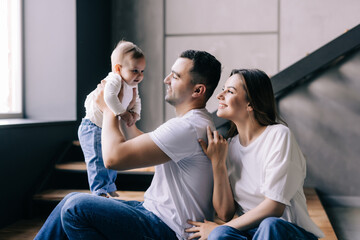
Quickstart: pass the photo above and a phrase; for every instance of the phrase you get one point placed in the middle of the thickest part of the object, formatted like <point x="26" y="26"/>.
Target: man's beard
<point x="170" y="101"/>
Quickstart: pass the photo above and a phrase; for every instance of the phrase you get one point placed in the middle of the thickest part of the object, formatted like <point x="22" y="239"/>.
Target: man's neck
<point x="181" y="110"/>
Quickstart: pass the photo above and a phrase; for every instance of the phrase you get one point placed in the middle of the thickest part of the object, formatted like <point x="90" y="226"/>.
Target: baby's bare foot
<point x="104" y="195"/>
<point x="113" y="194"/>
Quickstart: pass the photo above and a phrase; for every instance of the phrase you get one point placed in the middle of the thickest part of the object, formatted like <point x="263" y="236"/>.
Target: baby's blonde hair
<point x="122" y="49"/>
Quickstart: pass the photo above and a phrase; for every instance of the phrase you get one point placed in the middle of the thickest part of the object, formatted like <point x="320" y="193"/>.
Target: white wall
<point x="50" y="59"/>
<point x="266" y="34"/>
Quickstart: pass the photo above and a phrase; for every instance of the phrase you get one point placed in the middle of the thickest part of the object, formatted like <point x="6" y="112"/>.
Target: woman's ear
<point x="249" y="108"/>
<point x="117" y="68"/>
<point x="199" y="90"/>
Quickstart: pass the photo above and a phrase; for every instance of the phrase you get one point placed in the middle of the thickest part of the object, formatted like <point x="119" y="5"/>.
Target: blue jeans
<point x="269" y="228"/>
<point x="86" y="216"/>
<point x="101" y="180"/>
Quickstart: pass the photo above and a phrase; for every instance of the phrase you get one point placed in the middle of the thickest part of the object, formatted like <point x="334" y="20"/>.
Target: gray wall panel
<point x="212" y="16"/>
<point x="307" y="25"/>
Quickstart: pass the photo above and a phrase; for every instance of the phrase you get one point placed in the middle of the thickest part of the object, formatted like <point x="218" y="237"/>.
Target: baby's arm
<point x="111" y="91"/>
<point x="137" y="106"/>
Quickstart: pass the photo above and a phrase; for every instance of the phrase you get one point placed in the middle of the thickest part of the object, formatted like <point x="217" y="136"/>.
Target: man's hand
<point x="201" y="230"/>
<point x="133" y="100"/>
<point x="129" y="117"/>
<point x="99" y="96"/>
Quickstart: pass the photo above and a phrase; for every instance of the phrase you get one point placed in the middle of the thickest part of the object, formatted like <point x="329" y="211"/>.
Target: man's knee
<point x="74" y="202"/>
<point x="219" y="233"/>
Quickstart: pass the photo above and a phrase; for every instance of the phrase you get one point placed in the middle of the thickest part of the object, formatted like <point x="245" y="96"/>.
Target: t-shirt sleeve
<point x="284" y="169"/>
<point x="177" y="138"/>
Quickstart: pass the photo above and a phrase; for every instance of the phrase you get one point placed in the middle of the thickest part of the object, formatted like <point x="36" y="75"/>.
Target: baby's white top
<point x="111" y="91"/>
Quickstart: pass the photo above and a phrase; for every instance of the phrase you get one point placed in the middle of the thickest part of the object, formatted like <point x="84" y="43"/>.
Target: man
<point x="182" y="185"/>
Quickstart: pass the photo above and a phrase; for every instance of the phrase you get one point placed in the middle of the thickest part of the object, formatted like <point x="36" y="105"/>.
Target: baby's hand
<point x="135" y="117"/>
<point x="127" y="117"/>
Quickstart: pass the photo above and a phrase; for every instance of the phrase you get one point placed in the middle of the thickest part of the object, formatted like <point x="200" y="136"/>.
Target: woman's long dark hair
<point x="260" y="95"/>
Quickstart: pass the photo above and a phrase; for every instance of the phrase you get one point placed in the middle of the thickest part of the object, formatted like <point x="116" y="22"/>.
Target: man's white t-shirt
<point x="182" y="188"/>
<point x="271" y="166"/>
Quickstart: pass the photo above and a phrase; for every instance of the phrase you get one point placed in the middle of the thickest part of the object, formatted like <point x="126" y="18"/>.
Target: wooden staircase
<point x="69" y="175"/>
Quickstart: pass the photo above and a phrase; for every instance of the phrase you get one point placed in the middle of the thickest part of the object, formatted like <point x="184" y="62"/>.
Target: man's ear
<point x="117" y="68"/>
<point x="199" y="90"/>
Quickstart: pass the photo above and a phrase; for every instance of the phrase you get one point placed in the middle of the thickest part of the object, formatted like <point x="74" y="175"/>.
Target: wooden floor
<point x="27" y="229"/>
<point x="22" y="230"/>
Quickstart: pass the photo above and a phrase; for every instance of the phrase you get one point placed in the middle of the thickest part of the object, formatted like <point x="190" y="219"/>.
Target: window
<point x="10" y="59"/>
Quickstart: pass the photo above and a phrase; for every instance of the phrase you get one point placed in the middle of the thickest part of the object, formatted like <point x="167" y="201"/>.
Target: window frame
<point x="19" y="62"/>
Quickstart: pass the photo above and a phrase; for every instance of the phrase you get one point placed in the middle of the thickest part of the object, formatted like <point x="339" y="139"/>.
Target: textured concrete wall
<point x="142" y="22"/>
<point x="324" y="115"/>
<point x="306" y="25"/>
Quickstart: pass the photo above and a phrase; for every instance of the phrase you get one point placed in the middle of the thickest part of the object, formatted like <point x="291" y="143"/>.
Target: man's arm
<point x="130" y="132"/>
<point x="120" y="154"/>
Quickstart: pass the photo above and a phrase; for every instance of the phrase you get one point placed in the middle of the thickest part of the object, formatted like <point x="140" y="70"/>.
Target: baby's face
<point x="132" y="71"/>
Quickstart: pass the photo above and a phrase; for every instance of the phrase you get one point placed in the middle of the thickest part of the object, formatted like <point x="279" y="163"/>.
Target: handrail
<point x="305" y="68"/>
<point x="318" y="60"/>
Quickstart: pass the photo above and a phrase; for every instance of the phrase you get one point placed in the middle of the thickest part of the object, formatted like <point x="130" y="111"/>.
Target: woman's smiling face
<point x="232" y="100"/>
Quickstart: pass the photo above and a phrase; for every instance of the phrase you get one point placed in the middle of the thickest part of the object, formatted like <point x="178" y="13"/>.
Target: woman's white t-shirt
<point x="271" y="166"/>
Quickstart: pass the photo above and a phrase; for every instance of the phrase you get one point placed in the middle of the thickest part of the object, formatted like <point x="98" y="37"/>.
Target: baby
<point x="128" y="64"/>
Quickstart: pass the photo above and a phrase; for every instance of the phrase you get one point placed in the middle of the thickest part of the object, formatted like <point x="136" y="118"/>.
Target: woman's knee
<point x="219" y="233"/>
<point x="271" y="223"/>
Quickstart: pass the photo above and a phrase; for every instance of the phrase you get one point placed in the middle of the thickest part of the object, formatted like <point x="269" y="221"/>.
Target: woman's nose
<point x="220" y="96"/>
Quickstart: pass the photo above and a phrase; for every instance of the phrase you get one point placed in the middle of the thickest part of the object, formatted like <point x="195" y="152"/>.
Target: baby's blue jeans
<point x="101" y="180"/>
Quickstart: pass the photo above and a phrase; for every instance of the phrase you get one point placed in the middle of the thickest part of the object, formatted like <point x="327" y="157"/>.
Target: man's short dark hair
<point x="206" y="70"/>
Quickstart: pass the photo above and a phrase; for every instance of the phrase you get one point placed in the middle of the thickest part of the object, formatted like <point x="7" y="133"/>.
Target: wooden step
<point x="56" y="195"/>
<point x="76" y="143"/>
<point x="318" y="214"/>
<point x="81" y="166"/>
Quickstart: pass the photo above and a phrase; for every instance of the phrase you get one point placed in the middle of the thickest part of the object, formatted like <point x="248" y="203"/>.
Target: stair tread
<point x="318" y="213"/>
<point x="81" y="166"/>
<point x="56" y="195"/>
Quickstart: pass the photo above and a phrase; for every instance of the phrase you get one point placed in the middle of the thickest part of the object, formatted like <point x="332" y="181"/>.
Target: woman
<point x="259" y="173"/>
